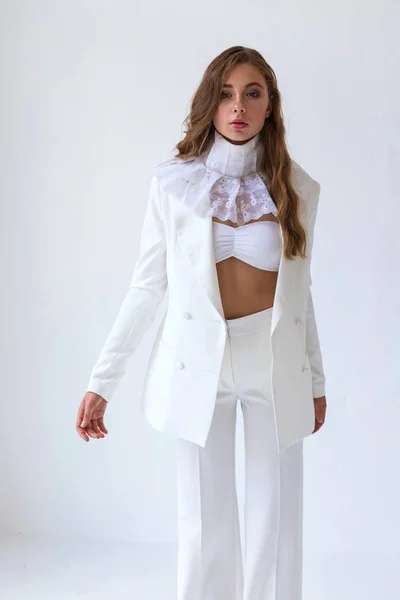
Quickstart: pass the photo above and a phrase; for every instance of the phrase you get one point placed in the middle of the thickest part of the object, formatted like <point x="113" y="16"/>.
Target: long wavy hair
<point x="275" y="162"/>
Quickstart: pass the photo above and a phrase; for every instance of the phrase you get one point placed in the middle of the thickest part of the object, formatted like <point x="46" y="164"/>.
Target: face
<point x="244" y="96"/>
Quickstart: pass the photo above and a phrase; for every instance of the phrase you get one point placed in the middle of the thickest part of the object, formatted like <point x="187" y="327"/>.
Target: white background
<point x="93" y="95"/>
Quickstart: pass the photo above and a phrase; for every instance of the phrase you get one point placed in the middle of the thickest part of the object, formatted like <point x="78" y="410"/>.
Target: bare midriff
<point x="245" y="289"/>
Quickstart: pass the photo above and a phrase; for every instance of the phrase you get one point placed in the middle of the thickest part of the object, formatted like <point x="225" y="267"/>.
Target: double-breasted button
<point x="187" y="315"/>
<point x="180" y="365"/>
<point x="298" y="321"/>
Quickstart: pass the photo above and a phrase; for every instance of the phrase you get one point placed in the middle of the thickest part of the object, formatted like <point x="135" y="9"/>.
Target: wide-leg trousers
<point x="213" y="562"/>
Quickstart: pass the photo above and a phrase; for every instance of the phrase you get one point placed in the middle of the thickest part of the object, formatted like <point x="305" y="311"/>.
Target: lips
<point x="239" y="121"/>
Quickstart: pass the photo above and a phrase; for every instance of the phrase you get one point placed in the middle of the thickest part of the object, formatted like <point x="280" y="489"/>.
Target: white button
<point x="187" y="315"/>
<point x="180" y="365"/>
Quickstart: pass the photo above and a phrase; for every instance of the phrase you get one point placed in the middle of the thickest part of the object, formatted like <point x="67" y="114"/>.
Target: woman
<point x="228" y="231"/>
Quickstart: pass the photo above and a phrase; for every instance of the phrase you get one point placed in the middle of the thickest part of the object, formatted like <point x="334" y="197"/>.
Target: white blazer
<point x="179" y="391"/>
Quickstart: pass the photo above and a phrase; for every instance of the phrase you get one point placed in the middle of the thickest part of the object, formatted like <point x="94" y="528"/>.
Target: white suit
<point x="177" y="252"/>
<point x="201" y="364"/>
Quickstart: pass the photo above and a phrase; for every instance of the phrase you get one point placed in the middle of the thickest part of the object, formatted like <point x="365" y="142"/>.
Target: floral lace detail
<point x="222" y="182"/>
<point x="241" y="200"/>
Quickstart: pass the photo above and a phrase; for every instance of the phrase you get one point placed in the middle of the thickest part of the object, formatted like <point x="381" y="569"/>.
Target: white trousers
<point x="213" y="563"/>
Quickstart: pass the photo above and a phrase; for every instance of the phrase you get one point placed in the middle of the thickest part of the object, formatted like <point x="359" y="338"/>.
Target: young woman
<point x="228" y="232"/>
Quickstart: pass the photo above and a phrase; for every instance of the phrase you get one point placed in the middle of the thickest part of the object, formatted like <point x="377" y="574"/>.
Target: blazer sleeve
<point x="312" y="338"/>
<point x="139" y="307"/>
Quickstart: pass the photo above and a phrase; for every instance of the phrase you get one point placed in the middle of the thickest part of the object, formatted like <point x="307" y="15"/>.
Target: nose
<point x="239" y="107"/>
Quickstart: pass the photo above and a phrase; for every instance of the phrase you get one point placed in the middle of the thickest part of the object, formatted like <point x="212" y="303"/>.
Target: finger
<point x="87" y="415"/>
<point x="79" y="416"/>
<point x="81" y="432"/>
<point x="91" y="432"/>
<point x="83" y="435"/>
<point x="317" y="426"/>
<point x="102" y="427"/>
<point x="95" y="427"/>
<point x="320" y="414"/>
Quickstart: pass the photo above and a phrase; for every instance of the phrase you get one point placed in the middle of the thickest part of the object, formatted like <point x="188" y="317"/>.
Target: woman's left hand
<point x="320" y="410"/>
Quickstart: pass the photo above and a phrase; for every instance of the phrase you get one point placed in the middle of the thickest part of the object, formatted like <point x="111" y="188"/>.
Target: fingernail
<point x="83" y="424"/>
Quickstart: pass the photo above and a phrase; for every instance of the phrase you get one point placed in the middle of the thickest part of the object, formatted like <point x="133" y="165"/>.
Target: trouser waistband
<point x="254" y="323"/>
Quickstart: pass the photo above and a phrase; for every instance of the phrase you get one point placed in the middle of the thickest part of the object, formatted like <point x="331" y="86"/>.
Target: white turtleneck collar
<point x="233" y="160"/>
<point x="224" y="181"/>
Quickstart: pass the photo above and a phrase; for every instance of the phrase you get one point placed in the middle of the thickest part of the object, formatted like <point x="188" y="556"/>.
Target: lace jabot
<point x="223" y="181"/>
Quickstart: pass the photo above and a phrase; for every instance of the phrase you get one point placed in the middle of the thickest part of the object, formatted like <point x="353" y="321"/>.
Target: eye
<point x="223" y="94"/>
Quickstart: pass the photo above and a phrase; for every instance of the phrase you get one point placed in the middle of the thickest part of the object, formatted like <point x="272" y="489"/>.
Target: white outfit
<point x="211" y="565"/>
<point x="201" y="364"/>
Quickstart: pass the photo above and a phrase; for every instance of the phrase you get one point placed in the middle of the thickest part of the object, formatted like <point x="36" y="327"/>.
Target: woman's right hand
<point x="89" y="422"/>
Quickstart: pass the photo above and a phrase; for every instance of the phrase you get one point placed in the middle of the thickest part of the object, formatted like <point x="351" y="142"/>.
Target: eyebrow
<point x="228" y="85"/>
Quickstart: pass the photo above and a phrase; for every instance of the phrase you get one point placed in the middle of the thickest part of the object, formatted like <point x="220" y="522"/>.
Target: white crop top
<point x="259" y="244"/>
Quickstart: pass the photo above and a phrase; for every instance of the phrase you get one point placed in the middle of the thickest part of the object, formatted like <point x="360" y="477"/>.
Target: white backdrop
<point x="94" y="94"/>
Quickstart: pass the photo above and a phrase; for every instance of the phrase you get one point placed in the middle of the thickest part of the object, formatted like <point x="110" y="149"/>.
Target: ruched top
<point x="259" y="244"/>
